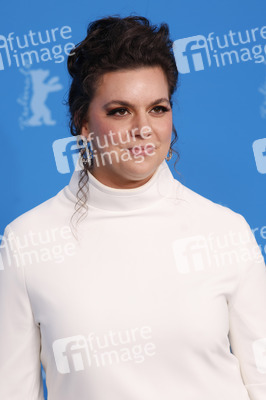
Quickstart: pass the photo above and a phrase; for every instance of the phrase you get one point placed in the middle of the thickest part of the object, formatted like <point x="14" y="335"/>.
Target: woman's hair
<point x="113" y="43"/>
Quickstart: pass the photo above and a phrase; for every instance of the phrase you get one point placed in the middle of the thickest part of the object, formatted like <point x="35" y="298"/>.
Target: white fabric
<point x="142" y="306"/>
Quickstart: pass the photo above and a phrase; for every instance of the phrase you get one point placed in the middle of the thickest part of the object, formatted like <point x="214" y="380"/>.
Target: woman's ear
<point x="85" y="129"/>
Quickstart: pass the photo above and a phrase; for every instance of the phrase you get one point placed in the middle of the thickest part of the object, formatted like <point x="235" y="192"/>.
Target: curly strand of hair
<point x="81" y="206"/>
<point x="173" y="149"/>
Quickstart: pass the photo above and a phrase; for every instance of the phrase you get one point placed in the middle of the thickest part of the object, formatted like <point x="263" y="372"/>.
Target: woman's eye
<point x="161" y="108"/>
<point x="122" y="111"/>
<point x="117" y="110"/>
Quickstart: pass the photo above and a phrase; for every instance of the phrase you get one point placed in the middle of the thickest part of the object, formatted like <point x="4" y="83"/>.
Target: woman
<point x="145" y="298"/>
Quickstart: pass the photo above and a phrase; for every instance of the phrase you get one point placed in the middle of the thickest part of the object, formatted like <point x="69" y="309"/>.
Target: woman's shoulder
<point x="210" y="210"/>
<point x="43" y="216"/>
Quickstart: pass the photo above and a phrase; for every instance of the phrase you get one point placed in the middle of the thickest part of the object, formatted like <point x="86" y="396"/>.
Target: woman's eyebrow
<point x="125" y="103"/>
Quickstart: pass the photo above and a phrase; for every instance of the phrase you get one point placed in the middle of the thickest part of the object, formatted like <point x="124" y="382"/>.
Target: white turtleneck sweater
<point x="143" y="306"/>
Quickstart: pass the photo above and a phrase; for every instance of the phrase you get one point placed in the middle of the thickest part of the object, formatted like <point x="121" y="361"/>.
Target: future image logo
<point x="199" y="253"/>
<point x="198" y="52"/>
<point x="12" y="48"/>
<point x="66" y="150"/>
<point x="80" y="352"/>
<point x="36" y="247"/>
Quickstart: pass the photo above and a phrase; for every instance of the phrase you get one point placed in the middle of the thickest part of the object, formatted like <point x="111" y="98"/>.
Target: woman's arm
<point x="247" y="313"/>
<point x="20" y="369"/>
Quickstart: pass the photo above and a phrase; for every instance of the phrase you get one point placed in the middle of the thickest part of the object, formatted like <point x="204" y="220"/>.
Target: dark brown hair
<point x="113" y="43"/>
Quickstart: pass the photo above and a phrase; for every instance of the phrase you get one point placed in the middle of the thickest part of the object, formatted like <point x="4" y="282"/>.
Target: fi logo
<point x="259" y="150"/>
<point x="2" y="239"/>
<point x="191" y="54"/>
<point x="71" y="354"/>
<point x="259" y="350"/>
<point x="66" y="153"/>
<point x="4" y="46"/>
<point x="191" y="254"/>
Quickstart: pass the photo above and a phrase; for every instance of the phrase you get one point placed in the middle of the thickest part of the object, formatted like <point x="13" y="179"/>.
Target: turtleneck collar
<point x="159" y="186"/>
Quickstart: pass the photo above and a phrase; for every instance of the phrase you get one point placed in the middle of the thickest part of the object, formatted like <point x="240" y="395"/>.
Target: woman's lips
<point x="142" y="150"/>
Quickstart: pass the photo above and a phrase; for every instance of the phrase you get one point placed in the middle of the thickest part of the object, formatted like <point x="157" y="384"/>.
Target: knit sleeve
<point x="20" y="368"/>
<point x="247" y="316"/>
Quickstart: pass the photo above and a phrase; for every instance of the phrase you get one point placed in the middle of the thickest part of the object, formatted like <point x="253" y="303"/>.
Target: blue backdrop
<point x="219" y="107"/>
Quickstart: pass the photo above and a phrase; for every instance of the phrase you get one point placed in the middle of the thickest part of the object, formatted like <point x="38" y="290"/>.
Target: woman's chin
<point x="137" y="169"/>
<point x="126" y="170"/>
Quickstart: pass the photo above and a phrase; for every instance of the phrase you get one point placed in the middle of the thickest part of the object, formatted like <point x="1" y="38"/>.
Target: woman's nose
<point x="141" y="126"/>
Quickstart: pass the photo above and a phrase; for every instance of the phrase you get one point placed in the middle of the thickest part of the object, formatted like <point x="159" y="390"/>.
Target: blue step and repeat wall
<point x="219" y="107"/>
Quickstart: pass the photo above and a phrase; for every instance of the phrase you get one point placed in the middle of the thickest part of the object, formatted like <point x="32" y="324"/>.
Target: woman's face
<point x="130" y="109"/>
